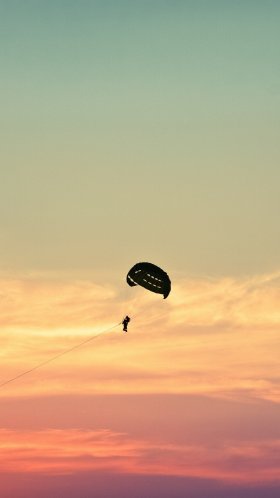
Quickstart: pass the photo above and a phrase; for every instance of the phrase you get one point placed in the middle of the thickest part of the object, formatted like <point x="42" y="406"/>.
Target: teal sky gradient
<point x="136" y="130"/>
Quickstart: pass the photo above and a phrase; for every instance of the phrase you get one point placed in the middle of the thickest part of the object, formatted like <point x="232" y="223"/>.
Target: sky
<point x="139" y="131"/>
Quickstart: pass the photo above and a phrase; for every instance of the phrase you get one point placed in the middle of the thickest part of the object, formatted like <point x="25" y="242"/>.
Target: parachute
<point x="151" y="277"/>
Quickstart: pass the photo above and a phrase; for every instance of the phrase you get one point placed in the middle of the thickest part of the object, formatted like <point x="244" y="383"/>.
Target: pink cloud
<point x="73" y="451"/>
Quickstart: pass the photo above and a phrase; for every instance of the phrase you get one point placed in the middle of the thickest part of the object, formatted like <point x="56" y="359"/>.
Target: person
<point x="125" y="323"/>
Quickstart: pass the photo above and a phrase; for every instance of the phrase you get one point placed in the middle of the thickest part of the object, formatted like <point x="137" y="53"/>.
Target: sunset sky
<point x="139" y="130"/>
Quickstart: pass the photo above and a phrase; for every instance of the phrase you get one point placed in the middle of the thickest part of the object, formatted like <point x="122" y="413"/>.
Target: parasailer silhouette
<point x="125" y="323"/>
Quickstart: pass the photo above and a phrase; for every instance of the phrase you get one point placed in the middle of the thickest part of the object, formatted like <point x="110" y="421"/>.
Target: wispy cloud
<point x="53" y="303"/>
<point x="217" y="337"/>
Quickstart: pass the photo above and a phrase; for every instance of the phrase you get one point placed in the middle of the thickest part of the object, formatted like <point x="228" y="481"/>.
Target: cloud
<point x="53" y="303"/>
<point x="74" y="451"/>
<point x="231" y="302"/>
<point x="218" y="337"/>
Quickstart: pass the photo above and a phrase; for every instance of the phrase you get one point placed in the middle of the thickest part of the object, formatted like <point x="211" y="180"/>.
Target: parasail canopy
<point x="151" y="277"/>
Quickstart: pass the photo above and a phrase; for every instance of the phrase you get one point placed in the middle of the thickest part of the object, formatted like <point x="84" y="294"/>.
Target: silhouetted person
<point x="125" y="323"/>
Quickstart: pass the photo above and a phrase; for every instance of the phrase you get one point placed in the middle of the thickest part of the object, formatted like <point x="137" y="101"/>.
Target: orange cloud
<point x="48" y="303"/>
<point x="218" y="337"/>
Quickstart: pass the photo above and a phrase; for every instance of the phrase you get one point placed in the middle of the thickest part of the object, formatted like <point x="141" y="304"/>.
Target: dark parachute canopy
<point x="151" y="277"/>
